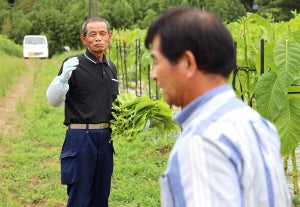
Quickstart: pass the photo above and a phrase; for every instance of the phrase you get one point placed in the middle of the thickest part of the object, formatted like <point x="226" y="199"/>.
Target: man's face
<point x="167" y="75"/>
<point x="97" y="38"/>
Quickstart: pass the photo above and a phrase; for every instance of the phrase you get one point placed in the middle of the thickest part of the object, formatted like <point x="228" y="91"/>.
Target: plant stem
<point x="295" y="172"/>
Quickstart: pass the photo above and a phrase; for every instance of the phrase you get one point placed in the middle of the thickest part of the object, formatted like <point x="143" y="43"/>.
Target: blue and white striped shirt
<point x="227" y="155"/>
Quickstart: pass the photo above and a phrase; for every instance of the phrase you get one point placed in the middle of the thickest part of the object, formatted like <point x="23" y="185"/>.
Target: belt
<point x="89" y="126"/>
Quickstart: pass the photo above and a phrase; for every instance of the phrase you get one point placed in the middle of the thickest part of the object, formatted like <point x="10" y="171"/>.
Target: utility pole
<point x="97" y="8"/>
<point x="90" y="8"/>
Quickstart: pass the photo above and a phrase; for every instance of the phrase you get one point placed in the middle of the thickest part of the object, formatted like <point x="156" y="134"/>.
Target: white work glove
<point x="68" y="67"/>
<point x="58" y="88"/>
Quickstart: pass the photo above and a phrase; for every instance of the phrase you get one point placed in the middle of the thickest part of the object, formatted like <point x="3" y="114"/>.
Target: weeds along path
<point x="8" y="105"/>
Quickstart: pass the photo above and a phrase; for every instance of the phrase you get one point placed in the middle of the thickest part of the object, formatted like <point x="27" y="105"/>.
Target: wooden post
<point x="90" y="9"/>
<point x="97" y="8"/>
<point x="262" y="56"/>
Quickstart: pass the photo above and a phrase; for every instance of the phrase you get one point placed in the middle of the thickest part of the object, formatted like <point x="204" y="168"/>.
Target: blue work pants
<point x="87" y="166"/>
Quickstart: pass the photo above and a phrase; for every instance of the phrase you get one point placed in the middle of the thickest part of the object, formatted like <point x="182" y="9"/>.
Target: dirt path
<point x="8" y="105"/>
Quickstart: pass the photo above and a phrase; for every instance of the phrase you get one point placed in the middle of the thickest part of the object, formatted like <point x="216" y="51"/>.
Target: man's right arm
<point x="56" y="92"/>
<point x="58" y="88"/>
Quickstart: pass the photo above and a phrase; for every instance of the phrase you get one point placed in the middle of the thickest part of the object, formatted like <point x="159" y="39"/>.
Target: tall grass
<point x="11" y="66"/>
<point x="10" y="69"/>
<point x="30" y="168"/>
<point x="9" y="47"/>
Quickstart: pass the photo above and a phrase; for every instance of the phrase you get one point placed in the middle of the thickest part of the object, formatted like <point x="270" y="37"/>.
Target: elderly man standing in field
<point x="88" y="85"/>
<point x="227" y="155"/>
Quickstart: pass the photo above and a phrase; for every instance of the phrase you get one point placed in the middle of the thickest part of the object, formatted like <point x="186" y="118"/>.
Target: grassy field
<point x="9" y="71"/>
<point x="29" y="161"/>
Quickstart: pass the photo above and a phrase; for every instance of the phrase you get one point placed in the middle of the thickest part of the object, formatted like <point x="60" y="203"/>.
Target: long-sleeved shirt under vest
<point x="89" y="93"/>
<point x="227" y="156"/>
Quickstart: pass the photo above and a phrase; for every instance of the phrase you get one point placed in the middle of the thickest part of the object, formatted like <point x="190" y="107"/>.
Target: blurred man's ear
<point x="82" y="37"/>
<point x="189" y="62"/>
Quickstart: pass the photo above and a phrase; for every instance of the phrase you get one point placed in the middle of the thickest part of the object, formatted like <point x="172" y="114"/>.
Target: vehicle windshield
<point x="35" y="40"/>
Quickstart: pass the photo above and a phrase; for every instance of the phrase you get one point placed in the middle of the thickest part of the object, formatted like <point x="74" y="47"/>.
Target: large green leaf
<point x="294" y="23"/>
<point x="287" y="60"/>
<point x="288" y="123"/>
<point x="296" y="35"/>
<point x="270" y="96"/>
<point x="132" y="114"/>
<point x="264" y="23"/>
<point x="125" y="98"/>
<point x="269" y="64"/>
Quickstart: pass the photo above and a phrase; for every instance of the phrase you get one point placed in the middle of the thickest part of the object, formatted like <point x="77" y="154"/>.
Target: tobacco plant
<point x="275" y="92"/>
<point x="133" y="115"/>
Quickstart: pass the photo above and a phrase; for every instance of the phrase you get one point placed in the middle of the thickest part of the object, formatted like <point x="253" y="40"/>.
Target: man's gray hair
<point x="94" y="19"/>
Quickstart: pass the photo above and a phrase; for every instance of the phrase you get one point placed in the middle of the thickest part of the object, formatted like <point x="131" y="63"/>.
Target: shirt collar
<point x="186" y="112"/>
<point x="93" y="59"/>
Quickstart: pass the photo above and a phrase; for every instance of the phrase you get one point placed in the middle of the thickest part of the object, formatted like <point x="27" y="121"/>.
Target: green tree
<point x="248" y="4"/>
<point x="280" y="9"/>
<point x="138" y="13"/>
<point x="4" y="9"/>
<point x="61" y="21"/>
<point x="27" y="5"/>
<point x="5" y="12"/>
<point x="122" y="14"/>
<point x="21" y="27"/>
<point x="150" y="15"/>
<point x="228" y="10"/>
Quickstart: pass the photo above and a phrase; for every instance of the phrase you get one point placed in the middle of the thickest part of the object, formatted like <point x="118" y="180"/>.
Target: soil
<point x="8" y="104"/>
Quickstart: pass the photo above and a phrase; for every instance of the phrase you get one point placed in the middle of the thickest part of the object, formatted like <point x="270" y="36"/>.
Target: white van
<point x="35" y="46"/>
